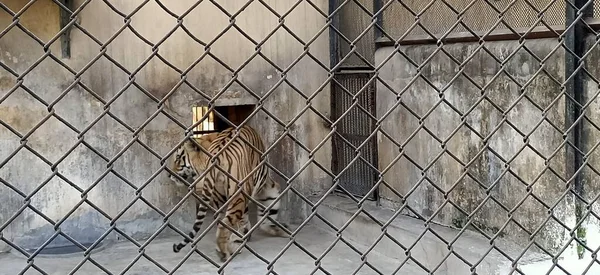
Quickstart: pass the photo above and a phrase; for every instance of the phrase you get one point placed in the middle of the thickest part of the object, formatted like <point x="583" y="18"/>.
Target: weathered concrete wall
<point x="590" y="227"/>
<point x="137" y="165"/>
<point x="459" y="128"/>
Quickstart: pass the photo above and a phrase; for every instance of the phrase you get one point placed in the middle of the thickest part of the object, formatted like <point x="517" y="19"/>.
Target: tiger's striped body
<point x="239" y="159"/>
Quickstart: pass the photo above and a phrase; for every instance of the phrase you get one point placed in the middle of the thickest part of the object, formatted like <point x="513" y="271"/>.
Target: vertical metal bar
<point x="377" y="5"/>
<point x="334" y="43"/>
<point x="65" y="38"/>
<point x="575" y="43"/>
<point x="194" y="119"/>
<point x="333" y="105"/>
<point x="375" y="153"/>
<point x="334" y="96"/>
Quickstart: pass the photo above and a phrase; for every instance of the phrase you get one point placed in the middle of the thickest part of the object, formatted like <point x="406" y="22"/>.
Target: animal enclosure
<point x="408" y="137"/>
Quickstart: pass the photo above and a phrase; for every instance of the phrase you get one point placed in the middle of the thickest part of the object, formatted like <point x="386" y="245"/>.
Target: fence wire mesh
<point x="458" y="16"/>
<point x="453" y="157"/>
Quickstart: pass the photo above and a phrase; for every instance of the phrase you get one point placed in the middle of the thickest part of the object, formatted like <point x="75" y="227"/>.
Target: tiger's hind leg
<point x="243" y="228"/>
<point x="201" y="209"/>
<point x="266" y="196"/>
<point x="233" y="218"/>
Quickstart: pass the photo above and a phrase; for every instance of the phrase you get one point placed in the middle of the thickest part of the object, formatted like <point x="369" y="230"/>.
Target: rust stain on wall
<point x="6" y="83"/>
<point x="20" y="118"/>
<point x="44" y="29"/>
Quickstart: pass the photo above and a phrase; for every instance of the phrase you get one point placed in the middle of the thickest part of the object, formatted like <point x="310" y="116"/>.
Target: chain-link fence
<point x="406" y="137"/>
<point x="475" y="16"/>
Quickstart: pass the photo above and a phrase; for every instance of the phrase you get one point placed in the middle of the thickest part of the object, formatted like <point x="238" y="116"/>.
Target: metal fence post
<point x="575" y="43"/>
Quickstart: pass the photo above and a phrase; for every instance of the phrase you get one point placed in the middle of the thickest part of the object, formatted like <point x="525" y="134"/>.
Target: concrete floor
<point x="115" y="258"/>
<point x="427" y="251"/>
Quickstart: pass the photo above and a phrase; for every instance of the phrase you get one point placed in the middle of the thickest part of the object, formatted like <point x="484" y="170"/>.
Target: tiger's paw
<point x="222" y="256"/>
<point x="249" y="238"/>
<point x="275" y="230"/>
<point x="282" y="232"/>
<point x="235" y="245"/>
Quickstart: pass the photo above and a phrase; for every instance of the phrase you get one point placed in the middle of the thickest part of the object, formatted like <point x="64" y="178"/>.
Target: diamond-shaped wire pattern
<point x="459" y="16"/>
<point x="442" y="158"/>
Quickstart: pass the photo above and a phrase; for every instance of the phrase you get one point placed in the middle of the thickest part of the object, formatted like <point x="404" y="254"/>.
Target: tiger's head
<point x="189" y="159"/>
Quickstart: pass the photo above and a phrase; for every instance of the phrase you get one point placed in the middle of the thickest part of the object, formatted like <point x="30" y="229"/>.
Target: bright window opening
<point x="236" y="114"/>
<point x="207" y="125"/>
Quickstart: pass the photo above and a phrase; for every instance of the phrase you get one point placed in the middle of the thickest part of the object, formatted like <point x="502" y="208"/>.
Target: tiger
<point x="238" y="158"/>
<point x="182" y="165"/>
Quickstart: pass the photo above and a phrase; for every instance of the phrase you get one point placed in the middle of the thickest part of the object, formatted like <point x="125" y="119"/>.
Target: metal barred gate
<point x="353" y="95"/>
<point x="354" y="145"/>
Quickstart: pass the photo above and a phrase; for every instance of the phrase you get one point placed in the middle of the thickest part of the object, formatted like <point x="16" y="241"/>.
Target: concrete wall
<point x="590" y="227"/>
<point x="84" y="168"/>
<point x="447" y="133"/>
